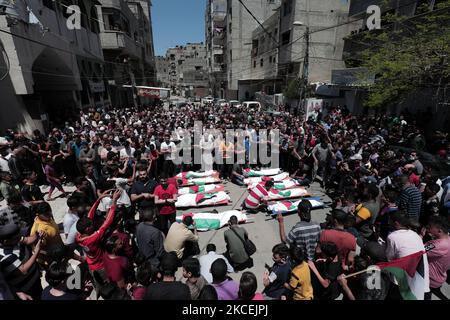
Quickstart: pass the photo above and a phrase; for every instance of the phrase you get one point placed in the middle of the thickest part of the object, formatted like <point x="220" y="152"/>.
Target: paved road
<point x="263" y="230"/>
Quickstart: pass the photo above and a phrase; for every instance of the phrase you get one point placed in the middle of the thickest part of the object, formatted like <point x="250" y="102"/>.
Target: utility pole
<point x="133" y="82"/>
<point x="305" y="74"/>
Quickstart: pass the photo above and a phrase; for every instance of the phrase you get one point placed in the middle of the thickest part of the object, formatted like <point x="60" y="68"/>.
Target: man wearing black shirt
<point x="168" y="288"/>
<point x="324" y="276"/>
<point x="18" y="264"/>
<point x="142" y="191"/>
<point x="31" y="191"/>
<point x="150" y="240"/>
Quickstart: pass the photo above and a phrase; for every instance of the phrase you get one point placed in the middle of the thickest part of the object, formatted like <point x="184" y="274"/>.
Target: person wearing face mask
<point x="142" y="191"/>
<point x="165" y="198"/>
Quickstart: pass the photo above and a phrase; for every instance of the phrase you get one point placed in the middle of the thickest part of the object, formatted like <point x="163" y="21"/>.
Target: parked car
<point x="221" y="102"/>
<point x="252" y="105"/>
<point x="208" y="99"/>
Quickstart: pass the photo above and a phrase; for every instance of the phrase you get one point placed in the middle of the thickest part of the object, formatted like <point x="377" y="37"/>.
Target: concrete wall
<point x="238" y="51"/>
<point x="49" y="61"/>
<point x="266" y="50"/>
<point x="326" y="46"/>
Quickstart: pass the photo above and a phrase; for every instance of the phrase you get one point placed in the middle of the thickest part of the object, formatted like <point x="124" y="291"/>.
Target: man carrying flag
<point x="407" y="259"/>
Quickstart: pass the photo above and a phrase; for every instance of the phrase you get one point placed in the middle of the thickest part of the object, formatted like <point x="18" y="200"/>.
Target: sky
<point x="176" y="22"/>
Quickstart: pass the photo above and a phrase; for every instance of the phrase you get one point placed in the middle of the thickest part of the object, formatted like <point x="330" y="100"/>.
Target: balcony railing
<point x="219" y="15"/>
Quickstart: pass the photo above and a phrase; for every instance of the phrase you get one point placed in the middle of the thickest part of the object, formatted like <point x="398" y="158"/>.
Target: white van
<point x="251" y="105"/>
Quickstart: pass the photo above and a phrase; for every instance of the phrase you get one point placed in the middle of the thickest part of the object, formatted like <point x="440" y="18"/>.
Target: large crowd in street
<point x="121" y="224"/>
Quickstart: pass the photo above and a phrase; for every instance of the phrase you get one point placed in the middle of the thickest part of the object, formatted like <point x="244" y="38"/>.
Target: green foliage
<point x="408" y="54"/>
<point x="292" y="91"/>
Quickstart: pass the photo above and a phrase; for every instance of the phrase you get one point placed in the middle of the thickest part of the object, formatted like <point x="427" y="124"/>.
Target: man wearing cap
<point x="18" y="263"/>
<point x="345" y="241"/>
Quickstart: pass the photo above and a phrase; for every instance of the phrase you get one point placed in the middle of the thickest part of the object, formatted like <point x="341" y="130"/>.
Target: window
<point x="254" y="63"/>
<point x="261" y="62"/>
<point x="286" y="38"/>
<point x="229" y="27"/>
<point x="231" y="55"/>
<point x="274" y="60"/>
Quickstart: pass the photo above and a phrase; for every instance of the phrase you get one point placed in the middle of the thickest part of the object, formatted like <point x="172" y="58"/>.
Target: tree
<point x="408" y="55"/>
<point x="292" y="91"/>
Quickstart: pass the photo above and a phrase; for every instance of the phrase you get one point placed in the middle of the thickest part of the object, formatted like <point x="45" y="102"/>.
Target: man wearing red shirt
<point x="90" y="240"/>
<point x="165" y="198"/>
<point x="344" y="241"/>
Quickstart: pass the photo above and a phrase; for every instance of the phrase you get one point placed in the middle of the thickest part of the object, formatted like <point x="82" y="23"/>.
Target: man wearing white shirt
<point x="168" y="148"/>
<point x="404" y="242"/>
<point x="4" y="157"/>
<point x="207" y="260"/>
<point x="207" y="146"/>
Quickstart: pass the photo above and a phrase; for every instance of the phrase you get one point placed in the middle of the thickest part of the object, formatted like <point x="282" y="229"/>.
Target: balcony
<point x="120" y="41"/>
<point x="217" y="50"/>
<point x="219" y="15"/>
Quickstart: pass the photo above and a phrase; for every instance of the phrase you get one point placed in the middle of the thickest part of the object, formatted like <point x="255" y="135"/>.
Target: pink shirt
<point x="438" y="261"/>
<point x="258" y="296"/>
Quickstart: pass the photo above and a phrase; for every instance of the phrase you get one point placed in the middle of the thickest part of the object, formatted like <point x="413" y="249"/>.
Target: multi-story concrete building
<point x="263" y="75"/>
<point x="326" y="21"/>
<point x="127" y="42"/>
<point x="162" y="71"/>
<point x="240" y="25"/>
<point x="187" y="70"/>
<point x="48" y="71"/>
<point x="215" y="35"/>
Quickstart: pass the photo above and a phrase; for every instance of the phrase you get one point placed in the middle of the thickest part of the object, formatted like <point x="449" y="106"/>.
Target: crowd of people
<point x="120" y="231"/>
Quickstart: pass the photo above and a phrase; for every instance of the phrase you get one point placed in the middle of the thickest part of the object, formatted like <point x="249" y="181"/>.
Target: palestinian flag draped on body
<point x="284" y="207"/>
<point x="205" y="221"/>
<point x="409" y="272"/>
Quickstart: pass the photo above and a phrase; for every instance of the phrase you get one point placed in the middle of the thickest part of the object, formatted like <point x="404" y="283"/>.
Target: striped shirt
<point x="10" y="261"/>
<point x="253" y="200"/>
<point x="305" y="235"/>
<point x="410" y="200"/>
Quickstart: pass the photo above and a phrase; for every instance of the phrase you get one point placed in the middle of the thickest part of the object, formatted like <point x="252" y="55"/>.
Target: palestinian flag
<point x="261" y="173"/>
<point x="409" y="272"/>
<point x="205" y="221"/>
<point x="285" y="207"/>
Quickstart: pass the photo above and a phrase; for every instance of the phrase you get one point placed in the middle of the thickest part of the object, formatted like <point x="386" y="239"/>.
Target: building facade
<point x="239" y="29"/>
<point x="215" y="35"/>
<point x="162" y="71"/>
<point x="325" y="23"/>
<point x="187" y="70"/>
<point x="263" y="75"/>
<point x="127" y="43"/>
<point x="49" y="70"/>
